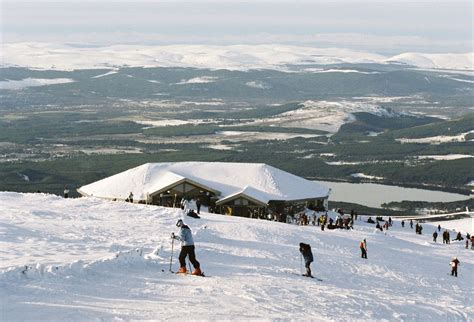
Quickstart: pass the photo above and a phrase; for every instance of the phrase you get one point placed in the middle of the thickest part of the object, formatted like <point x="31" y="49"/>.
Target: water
<point x="373" y="195"/>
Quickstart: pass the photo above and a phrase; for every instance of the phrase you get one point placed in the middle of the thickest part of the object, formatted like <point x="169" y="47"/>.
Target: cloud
<point x="366" y="42"/>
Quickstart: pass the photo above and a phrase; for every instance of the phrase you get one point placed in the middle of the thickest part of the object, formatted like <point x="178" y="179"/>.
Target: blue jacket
<point x="185" y="236"/>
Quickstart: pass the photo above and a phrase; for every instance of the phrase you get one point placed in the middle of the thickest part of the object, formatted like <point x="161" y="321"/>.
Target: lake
<point x="373" y="194"/>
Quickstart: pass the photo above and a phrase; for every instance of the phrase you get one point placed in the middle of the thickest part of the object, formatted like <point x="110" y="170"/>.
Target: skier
<point x="454" y="267"/>
<point x="198" y="205"/>
<point x="446" y="237"/>
<point x="363" y="248"/>
<point x="184" y="205"/>
<point x="435" y="235"/>
<point x="403" y="223"/>
<point x="411" y="224"/>
<point x="187" y="248"/>
<point x="322" y="219"/>
<point x="130" y="197"/>
<point x="305" y="250"/>
<point x="439" y="227"/>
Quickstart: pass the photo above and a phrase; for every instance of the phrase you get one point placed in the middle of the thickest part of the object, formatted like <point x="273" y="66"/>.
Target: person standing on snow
<point x="187" y="248"/>
<point x="435" y="235"/>
<point x="198" y="205"/>
<point x="448" y="237"/>
<point x="363" y="248"/>
<point x="184" y="205"/>
<point x="305" y="250"/>
<point x="454" y="266"/>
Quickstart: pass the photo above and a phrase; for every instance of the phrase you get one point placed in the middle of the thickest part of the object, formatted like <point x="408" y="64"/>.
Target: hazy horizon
<point x="388" y="28"/>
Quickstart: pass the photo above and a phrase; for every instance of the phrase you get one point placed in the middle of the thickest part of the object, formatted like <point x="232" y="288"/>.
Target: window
<point x="241" y="202"/>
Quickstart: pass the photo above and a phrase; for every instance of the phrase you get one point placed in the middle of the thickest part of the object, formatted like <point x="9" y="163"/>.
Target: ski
<point x="202" y="274"/>
<point x="316" y="278"/>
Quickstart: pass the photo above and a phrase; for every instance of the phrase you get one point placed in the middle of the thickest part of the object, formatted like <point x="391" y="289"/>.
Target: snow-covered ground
<point x="91" y="259"/>
<point x="321" y="115"/>
<point x="438" y="139"/>
<point x="198" y="80"/>
<point x="445" y="157"/>
<point x="365" y="176"/>
<point x="236" y="57"/>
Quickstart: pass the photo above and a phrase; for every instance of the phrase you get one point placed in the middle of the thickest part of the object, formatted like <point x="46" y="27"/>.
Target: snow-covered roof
<point x="256" y="180"/>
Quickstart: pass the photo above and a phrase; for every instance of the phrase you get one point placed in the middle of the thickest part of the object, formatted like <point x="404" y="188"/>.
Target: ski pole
<point x="171" y="259"/>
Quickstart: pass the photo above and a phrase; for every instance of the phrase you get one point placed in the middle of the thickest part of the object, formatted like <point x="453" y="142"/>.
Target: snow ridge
<point x="236" y="57"/>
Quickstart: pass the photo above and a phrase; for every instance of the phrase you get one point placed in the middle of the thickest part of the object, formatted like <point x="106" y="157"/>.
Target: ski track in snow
<point x="91" y="259"/>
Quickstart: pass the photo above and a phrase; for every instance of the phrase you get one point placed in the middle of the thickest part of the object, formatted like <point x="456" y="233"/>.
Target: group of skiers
<point x="188" y="249"/>
<point x="446" y="240"/>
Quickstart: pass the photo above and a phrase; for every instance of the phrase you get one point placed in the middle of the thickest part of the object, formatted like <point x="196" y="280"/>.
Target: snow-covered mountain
<point x="89" y="259"/>
<point x="236" y="57"/>
<point x="435" y="61"/>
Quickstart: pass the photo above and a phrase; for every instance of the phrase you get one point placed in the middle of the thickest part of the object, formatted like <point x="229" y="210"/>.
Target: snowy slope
<point x="435" y="61"/>
<point x="236" y="57"/>
<point x="91" y="259"/>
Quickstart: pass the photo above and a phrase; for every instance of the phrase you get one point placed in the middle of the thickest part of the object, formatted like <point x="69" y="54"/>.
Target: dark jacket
<point x="305" y="250"/>
<point x="454" y="263"/>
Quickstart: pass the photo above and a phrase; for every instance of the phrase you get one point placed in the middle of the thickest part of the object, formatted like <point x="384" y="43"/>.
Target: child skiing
<point x="187" y="248"/>
<point x="454" y="266"/>
<point x="363" y="248"/>
<point x="305" y="251"/>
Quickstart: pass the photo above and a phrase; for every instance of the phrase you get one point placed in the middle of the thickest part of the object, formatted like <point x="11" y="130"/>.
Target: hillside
<point x="91" y="259"/>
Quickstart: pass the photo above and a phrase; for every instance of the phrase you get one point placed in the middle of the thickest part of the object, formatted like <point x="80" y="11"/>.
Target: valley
<point x="380" y="123"/>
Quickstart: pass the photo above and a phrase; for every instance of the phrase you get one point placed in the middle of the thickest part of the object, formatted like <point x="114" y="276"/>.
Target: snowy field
<point x="95" y="260"/>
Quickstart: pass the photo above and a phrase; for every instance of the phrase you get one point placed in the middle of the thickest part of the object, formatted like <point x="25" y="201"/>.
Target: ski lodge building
<point x="238" y="189"/>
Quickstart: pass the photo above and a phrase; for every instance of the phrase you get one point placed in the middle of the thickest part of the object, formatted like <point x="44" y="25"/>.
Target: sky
<point x="386" y="27"/>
